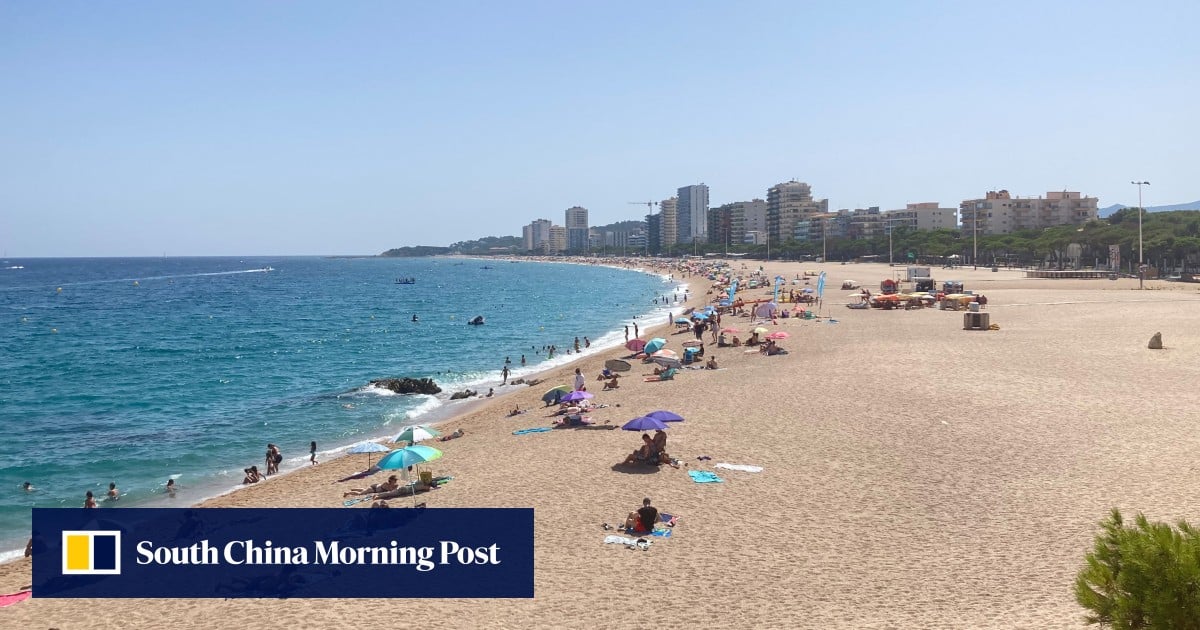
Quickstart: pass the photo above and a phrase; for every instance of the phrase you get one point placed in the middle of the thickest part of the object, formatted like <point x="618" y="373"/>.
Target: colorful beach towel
<point x="12" y="598"/>
<point x="534" y="430"/>
<point x="704" y="476"/>
<point x="741" y="467"/>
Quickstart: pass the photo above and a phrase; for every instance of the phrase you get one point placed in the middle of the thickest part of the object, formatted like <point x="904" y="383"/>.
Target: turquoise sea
<point x="134" y="370"/>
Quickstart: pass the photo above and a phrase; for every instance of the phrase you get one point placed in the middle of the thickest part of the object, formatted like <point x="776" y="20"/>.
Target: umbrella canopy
<point x="617" y="365"/>
<point x="654" y="345"/>
<point x="806" y="290"/>
<point x="669" y="362"/>
<point x="779" y="334"/>
<point x="368" y="448"/>
<point x="644" y="423"/>
<point x="760" y="330"/>
<point x="670" y="354"/>
<point x="556" y="393"/>
<point x="408" y="456"/>
<point x="574" y="396"/>
<point x="691" y="343"/>
<point x="731" y="329"/>
<point x="700" y="315"/>
<point x="665" y="416"/>
<point x="682" y="320"/>
<point x="416" y="433"/>
<point x="635" y="345"/>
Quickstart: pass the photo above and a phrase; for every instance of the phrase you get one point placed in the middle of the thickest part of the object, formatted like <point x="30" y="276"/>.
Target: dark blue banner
<point x="282" y="552"/>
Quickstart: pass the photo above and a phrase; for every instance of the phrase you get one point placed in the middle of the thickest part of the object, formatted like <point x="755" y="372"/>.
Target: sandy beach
<point x="915" y="475"/>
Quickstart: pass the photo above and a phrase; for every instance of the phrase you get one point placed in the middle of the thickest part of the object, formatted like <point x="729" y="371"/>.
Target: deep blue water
<point x="133" y="370"/>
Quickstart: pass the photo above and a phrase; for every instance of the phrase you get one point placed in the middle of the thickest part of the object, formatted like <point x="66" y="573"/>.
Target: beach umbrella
<point x="807" y="290"/>
<point x="575" y="396"/>
<point x="690" y="343"/>
<point x="670" y="354"/>
<point x="760" y="330"/>
<point x="416" y="433"/>
<point x="635" y="345"/>
<point x="644" y="423"/>
<point x="778" y="335"/>
<point x="654" y="345"/>
<point x="402" y="458"/>
<point x="665" y="416"/>
<point x="556" y="393"/>
<point x="617" y="365"/>
<point x="681" y="320"/>
<point x="368" y="448"/>
<point x="669" y="362"/>
<point x="700" y="315"/>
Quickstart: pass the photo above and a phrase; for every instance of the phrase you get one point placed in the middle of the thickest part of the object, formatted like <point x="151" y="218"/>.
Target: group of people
<point x="653" y="451"/>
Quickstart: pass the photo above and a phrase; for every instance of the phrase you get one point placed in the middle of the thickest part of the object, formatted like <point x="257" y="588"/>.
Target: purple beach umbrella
<point x="575" y="397"/>
<point x="665" y="416"/>
<point x="644" y="423"/>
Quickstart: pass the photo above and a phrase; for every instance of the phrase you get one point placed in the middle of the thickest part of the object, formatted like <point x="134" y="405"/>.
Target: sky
<point x="275" y="128"/>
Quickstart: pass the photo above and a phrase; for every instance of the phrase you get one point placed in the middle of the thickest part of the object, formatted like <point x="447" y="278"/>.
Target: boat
<point x="406" y="280"/>
<point x="476" y="321"/>
<point x="487" y="267"/>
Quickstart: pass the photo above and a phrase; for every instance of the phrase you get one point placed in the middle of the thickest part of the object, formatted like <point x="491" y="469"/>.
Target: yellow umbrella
<point x="760" y="330"/>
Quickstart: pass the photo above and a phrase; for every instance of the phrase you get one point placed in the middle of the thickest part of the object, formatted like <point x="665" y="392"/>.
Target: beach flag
<point x="732" y="289"/>
<point x="821" y="284"/>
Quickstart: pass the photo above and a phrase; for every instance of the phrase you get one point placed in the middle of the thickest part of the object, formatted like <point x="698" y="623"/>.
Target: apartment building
<point x="998" y="212"/>
<point x="788" y="204"/>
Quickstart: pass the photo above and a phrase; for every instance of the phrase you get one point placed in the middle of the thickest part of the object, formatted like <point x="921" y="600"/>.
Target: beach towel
<point x="742" y="467"/>
<point x="534" y="430"/>
<point x="667" y="519"/>
<point x="664" y="532"/>
<point x="12" y="598"/>
<point x="704" y="476"/>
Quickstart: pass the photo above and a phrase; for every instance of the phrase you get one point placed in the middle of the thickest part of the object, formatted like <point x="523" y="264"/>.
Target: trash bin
<point x="974" y="307"/>
<point x="994" y="269"/>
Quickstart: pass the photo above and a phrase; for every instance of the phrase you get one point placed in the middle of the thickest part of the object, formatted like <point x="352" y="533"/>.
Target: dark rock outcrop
<point x="408" y="385"/>
<point x="466" y="393"/>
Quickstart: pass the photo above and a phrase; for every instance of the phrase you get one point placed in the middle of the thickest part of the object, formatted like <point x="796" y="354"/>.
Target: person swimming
<point x="415" y="317"/>
<point x="27" y="487"/>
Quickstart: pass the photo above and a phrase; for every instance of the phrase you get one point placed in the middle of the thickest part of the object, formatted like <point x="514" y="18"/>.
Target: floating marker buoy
<point x="54" y="331"/>
<point x="136" y="283"/>
<point x="60" y="289"/>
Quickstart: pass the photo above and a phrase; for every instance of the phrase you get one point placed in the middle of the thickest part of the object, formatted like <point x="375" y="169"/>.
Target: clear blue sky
<point x="213" y="128"/>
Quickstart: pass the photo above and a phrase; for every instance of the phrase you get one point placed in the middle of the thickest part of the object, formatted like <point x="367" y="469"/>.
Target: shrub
<point x="1142" y="577"/>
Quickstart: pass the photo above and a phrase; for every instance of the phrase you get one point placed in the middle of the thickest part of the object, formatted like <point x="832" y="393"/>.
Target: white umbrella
<point x="416" y="433"/>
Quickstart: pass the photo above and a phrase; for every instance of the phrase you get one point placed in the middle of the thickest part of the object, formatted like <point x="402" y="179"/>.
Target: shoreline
<point x="443" y="412"/>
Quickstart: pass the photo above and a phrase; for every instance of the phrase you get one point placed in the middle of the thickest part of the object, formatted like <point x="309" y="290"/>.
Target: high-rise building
<point x="742" y="216"/>
<point x="1000" y="213"/>
<point x="539" y="233"/>
<point x="527" y="237"/>
<point x="557" y="243"/>
<point x="789" y="203"/>
<point x="653" y="240"/>
<point x="692" y="214"/>
<point x="669" y="235"/>
<point x="576" y="223"/>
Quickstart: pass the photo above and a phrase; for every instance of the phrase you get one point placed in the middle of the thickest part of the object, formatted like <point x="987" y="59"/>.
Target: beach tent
<point x="766" y="309"/>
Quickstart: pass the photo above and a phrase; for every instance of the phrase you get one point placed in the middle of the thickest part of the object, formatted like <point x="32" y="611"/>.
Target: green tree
<point x="1142" y="577"/>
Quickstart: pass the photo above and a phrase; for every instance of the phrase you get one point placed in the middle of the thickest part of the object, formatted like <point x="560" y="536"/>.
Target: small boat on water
<point x="487" y="267"/>
<point x="406" y="280"/>
<point x="476" y="321"/>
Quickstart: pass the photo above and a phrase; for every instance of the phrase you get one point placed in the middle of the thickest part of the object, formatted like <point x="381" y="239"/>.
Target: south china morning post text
<point x="283" y="552"/>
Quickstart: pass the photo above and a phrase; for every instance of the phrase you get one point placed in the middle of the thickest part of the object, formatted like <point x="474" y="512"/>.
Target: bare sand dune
<point x="915" y="475"/>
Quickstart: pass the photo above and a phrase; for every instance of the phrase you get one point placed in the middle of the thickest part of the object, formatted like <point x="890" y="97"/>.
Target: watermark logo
<point x="91" y="552"/>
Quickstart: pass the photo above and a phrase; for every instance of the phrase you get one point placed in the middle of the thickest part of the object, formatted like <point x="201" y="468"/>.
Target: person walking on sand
<point x="635" y="330"/>
<point x="580" y="382"/>
<point x="504" y="373"/>
<point x="626" y="332"/>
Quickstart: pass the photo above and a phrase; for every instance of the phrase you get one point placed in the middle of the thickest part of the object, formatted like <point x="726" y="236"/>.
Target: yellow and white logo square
<point x="91" y="552"/>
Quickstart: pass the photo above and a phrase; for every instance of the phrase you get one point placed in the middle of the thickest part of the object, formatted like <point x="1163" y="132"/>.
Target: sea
<point x="134" y="371"/>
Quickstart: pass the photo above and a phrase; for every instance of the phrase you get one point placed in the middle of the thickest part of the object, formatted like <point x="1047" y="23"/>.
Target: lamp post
<point x="975" y="237"/>
<point x="1141" y="254"/>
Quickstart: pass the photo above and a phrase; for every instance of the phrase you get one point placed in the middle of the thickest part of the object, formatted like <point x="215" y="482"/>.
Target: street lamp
<point x="1141" y="254"/>
<point x="975" y="237"/>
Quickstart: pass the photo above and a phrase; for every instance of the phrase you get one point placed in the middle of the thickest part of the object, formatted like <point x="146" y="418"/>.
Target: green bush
<point x="1145" y="576"/>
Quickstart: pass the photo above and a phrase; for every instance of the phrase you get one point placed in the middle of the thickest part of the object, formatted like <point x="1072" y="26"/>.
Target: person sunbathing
<point x="457" y="434"/>
<point x="712" y="363"/>
<point x="391" y="484"/>
<point x="517" y="411"/>
<point x="404" y="491"/>
<point x="737" y="343"/>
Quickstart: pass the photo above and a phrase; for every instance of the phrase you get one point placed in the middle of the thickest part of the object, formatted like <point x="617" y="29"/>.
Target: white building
<point x="537" y="235"/>
<point x="788" y="204"/>
<point x="669" y="229"/>
<point x="692" y="214"/>
<point x="921" y="216"/>
<point x="1001" y="213"/>
<point x="557" y="243"/>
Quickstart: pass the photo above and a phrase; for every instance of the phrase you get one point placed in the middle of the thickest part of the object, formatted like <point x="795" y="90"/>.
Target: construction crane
<point x="648" y="204"/>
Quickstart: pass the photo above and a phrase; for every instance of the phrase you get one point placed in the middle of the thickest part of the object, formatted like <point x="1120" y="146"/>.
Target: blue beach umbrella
<point x="654" y="345"/>
<point x="368" y="448"/>
<point x="665" y="416"/>
<point x="408" y="456"/>
<point x="681" y="320"/>
<point x="644" y="423"/>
